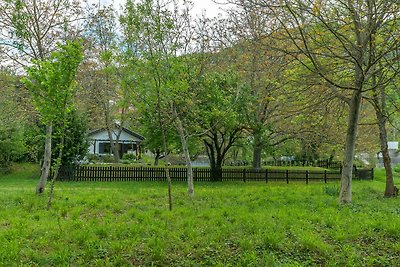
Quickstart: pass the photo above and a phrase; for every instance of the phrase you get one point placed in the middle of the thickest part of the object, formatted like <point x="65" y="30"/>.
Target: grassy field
<point x="226" y="224"/>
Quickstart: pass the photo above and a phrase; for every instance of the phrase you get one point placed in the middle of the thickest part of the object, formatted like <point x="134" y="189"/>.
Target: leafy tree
<point x="163" y="41"/>
<point x="51" y="83"/>
<point x="30" y="31"/>
<point x="102" y="74"/>
<point x="152" y="131"/>
<point x="245" y="37"/>
<point x="220" y="119"/>
<point x="331" y="39"/>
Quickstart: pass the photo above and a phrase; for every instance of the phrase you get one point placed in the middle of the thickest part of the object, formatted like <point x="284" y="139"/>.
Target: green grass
<point x="226" y="224"/>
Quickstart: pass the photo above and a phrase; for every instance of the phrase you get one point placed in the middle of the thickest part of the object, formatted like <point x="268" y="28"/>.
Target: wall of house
<point x="102" y="137"/>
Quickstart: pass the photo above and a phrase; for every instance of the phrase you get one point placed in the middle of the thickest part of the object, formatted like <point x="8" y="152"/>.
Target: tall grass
<point x="226" y="224"/>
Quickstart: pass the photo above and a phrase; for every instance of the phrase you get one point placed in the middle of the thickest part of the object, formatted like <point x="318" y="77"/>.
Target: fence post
<point x="195" y="174"/>
<point x="244" y="175"/>
<point x="306" y="176"/>
<point x="372" y="173"/>
<point x="266" y="175"/>
<point x="325" y="178"/>
<point x="287" y="176"/>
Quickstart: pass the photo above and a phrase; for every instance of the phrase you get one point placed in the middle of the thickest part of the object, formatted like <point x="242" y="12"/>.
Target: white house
<point x="393" y="148"/>
<point x="129" y="142"/>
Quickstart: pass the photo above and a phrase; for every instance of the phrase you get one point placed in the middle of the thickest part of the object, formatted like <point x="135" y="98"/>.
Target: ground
<point x="226" y="224"/>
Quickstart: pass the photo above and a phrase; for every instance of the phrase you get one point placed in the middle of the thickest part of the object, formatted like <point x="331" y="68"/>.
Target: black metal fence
<point x="327" y="164"/>
<point x="114" y="173"/>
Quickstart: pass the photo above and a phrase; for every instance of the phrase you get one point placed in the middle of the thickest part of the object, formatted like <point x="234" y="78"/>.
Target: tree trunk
<point x="116" y="151"/>
<point x="347" y="171"/>
<point x="185" y="150"/>
<point x="215" y="173"/>
<point x="57" y="169"/>
<point x="111" y="138"/>
<point x="389" y="190"/>
<point x="156" y="157"/>
<point x="257" y="150"/>
<point x="379" y="105"/>
<point x="46" y="160"/>
<point x="164" y="142"/>
<point x="218" y="167"/>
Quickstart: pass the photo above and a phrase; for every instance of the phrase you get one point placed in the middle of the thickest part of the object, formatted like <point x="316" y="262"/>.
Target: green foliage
<point x="396" y="168"/>
<point x="219" y="118"/>
<point x="12" y="145"/>
<point x="51" y="82"/>
<point x="128" y="156"/>
<point x="251" y="224"/>
<point x="93" y="158"/>
<point x="34" y="136"/>
<point x="75" y="139"/>
<point x="107" y="158"/>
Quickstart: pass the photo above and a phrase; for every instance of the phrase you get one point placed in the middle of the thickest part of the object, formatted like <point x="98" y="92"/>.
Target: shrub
<point x="128" y="157"/>
<point x="107" y="158"/>
<point x="92" y="158"/>
<point x="396" y="168"/>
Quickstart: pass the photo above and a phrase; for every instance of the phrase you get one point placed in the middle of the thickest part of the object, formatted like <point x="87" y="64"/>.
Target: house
<point x="393" y="148"/>
<point x="129" y="142"/>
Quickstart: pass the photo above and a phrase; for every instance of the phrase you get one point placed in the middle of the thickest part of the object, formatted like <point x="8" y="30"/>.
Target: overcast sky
<point x="211" y="9"/>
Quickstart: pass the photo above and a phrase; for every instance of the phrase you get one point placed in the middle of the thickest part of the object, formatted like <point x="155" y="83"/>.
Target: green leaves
<point x="51" y="81"/>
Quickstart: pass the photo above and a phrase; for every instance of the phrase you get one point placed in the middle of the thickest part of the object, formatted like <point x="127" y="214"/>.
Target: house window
<point x="104" y="148"/>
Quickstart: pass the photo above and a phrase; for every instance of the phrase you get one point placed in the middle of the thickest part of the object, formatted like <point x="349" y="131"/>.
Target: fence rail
<point x="328" y="164"/>
<point x="113" y="173"/>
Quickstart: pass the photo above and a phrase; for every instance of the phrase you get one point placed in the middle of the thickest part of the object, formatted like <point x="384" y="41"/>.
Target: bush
<point x="93" y="158"/>
<point x="131" y="157"/>
<point x="396" y="168"/>
<point x="107" y="158"/>
<point x="125" y="161"/>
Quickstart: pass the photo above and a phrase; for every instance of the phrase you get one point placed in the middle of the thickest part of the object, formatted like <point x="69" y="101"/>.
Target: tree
<point x="51" y="83"/>
<point x="152" y="131"/>
<point x="161" y="39"/>
<point x="30" y="31"/>
<point x="383" y="75"/>
<point x="102" y="73"/>
<point x="12" y="143"/>
<point x="220" y="119"/>
<point x="245" y="37"/>
<point x="331" y="39"/>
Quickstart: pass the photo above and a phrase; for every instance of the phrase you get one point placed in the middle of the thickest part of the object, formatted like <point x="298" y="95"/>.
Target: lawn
<point x="226" y="224"/>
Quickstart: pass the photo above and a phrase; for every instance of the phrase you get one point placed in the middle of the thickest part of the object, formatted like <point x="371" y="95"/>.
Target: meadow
<point x="226" y="224"/>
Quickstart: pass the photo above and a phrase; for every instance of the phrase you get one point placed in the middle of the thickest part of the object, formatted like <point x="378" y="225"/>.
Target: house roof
<point x="138" y="136"/>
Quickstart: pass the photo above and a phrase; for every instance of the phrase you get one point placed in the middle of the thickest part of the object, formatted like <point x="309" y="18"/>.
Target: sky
<point x="208" y="6"/>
